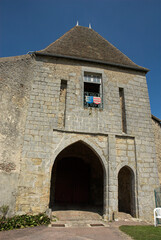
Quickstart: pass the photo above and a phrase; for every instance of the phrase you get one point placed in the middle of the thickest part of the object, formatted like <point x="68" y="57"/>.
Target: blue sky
<point x="133" y="26"/>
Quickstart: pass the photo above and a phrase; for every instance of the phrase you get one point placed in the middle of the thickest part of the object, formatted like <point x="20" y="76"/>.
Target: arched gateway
<point x="126" y="191"/>
<point x="77" y="179"/>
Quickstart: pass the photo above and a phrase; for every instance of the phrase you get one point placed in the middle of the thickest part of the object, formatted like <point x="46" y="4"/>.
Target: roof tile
<point x="85" y="43"/>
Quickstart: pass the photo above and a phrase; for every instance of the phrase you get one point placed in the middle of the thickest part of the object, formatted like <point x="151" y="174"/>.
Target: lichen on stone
<point x="7" y="167"/>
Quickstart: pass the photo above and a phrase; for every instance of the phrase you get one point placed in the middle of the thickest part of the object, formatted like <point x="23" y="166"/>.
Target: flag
<point x="89" y="99"/>
<point x="97" y="100"/>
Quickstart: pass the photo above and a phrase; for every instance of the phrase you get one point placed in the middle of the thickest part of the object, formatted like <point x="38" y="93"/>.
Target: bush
<point x="4" y="210"/>
<point x="23" y="221"/>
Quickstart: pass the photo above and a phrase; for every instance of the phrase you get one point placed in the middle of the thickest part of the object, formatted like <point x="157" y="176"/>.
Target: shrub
<point x="23" y="221"/>
<point x="4" y="210"/>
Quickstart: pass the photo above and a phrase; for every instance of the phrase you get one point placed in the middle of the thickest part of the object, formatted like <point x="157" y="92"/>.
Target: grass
<point x="142" y="232"/>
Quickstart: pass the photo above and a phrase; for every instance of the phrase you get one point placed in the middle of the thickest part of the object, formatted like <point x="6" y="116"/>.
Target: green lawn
<point x="142" y="232"/>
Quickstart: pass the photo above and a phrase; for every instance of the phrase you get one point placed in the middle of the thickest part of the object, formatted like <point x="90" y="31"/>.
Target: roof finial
<point x="90" y="26"/>
<point x="77" y="23"/>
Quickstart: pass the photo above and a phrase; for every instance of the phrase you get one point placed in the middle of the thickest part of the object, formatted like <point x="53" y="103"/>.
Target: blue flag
<point x="89" y="99"/>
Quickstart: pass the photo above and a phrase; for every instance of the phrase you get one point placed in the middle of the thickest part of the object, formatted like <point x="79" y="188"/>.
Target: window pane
<point x="92" y="78"/>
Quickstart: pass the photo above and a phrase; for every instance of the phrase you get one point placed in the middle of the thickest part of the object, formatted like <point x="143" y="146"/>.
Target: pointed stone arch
<point x="67" y="142"/>
<point x="67" y="180"/>
<point x="126" y="191"/>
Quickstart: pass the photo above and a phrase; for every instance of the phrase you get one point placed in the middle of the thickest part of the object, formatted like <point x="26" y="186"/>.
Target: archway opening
<point x="77" y="180"/>
<point x="126" y="191"/>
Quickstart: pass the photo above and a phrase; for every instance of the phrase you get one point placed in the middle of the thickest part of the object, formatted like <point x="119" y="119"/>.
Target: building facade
<point x="76" y="129"/>
<point x="156" y="122"/>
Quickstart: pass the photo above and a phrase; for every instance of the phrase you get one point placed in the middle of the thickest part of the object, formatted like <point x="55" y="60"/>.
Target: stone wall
<point x="15" y="82"/>
<point x="157" y="134"/>
<point x="34" y="192"/>
<point x="52" y="119"/>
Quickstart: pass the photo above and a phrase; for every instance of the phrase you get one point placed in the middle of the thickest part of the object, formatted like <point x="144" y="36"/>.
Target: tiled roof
<point x="156" y="119"/>
<point x="85" y="43"/>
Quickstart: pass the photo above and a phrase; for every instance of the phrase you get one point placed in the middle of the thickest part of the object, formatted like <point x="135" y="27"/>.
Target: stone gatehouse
<point x="76" y="129"/>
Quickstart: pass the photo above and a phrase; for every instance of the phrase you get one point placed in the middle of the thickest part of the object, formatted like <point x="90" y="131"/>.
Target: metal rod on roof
<point x="90" y="26"/>
<point x="77" y="23"/>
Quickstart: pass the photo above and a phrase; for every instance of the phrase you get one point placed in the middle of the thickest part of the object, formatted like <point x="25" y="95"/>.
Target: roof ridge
<point x="114" y="47"/>
<point x="57" y="40"/>
<point x="155" y="118"/>
<point x="14" y="58"/>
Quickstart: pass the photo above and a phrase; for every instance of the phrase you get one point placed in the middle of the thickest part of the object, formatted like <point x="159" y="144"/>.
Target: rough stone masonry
<point x="46" y="123"/>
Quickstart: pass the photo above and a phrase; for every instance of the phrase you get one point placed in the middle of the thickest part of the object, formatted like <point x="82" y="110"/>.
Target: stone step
<point x="74" y="215"/>
<point x="118" y="216"/>
<point x="122" y="216"/>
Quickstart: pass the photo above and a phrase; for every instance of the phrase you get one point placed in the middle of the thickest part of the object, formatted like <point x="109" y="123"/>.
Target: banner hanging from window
<point x="91" y="99"/>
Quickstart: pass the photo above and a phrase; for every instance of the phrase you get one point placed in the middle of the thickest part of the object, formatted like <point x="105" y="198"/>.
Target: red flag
<point x="97" y="100"/>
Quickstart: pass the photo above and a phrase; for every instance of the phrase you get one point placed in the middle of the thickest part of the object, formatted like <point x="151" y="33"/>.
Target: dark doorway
<point x="126" y="191"/>
<point x="72" y="181"/>
<point x="77" y="179"/>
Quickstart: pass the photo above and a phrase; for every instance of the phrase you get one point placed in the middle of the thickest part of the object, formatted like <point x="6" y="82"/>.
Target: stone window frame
<point x="94" y="71"/>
